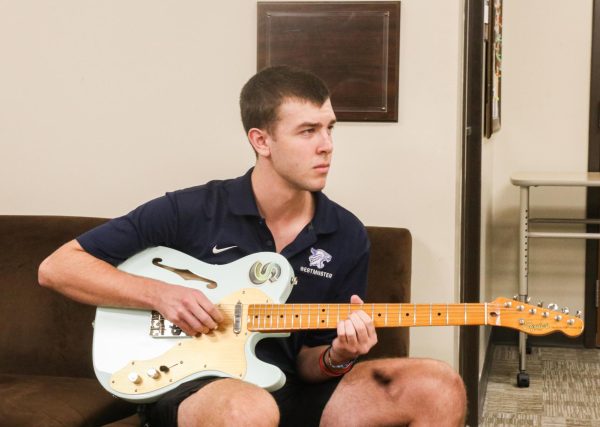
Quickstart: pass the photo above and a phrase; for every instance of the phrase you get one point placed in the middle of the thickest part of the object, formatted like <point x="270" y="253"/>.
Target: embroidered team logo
<point x="318" y="258"/>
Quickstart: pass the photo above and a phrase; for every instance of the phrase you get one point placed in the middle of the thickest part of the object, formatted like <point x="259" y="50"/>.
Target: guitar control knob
<point x="134" y="377"/>
<point x="153" y="373"/>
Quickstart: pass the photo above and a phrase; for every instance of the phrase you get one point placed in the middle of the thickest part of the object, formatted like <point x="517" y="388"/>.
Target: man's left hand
<point x="356" y="335"/>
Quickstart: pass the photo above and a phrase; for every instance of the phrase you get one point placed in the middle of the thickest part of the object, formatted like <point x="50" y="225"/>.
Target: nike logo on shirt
<point x="216" y="250"/>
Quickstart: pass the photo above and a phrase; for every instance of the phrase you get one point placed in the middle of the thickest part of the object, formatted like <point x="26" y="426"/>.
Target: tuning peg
<point x="578" y="313"/>
<point x="565" y="310"/>
<point x="540" y="304"/>
<point x="532" y="311"/>
<point x="508" y="304"/>
<point x="558" y="317"/>
<point x="516" y="297"/>
<point x="528" y="300"/>
<point x="552" y="306"/>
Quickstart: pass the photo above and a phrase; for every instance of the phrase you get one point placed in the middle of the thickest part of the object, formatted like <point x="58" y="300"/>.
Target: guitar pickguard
<point x="220" y="353"/>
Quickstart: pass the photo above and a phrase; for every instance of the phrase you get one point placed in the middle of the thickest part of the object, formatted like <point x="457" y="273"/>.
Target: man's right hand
<point x="189" y="309"/>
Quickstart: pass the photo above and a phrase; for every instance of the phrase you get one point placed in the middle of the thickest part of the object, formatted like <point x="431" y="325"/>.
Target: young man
<point x="276" y="206"/>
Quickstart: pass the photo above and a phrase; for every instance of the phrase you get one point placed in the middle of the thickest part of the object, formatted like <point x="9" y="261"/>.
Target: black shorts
<point x="300" y="404"/>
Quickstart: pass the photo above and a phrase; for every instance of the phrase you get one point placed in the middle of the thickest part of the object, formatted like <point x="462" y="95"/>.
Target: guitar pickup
<point x="160" y="327"/>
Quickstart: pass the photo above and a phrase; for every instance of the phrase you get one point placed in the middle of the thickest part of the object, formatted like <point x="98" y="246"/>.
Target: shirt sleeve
<point x="154" y="223"/>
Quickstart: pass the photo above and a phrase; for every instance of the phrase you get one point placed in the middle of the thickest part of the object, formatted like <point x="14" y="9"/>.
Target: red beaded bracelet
<point x="327" y="368"/>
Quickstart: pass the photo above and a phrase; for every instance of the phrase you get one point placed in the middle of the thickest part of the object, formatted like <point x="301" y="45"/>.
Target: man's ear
<point x="260" y="141"/>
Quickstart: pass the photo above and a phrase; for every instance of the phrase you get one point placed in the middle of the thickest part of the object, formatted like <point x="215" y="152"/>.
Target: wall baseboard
<point x="485" y="374"/>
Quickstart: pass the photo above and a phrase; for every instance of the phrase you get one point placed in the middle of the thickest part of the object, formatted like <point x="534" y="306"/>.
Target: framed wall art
<point x="493" y="68"/>
<point x="352" y="46"/>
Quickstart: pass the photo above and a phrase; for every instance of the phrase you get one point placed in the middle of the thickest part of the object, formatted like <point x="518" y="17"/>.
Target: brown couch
<point x="46" y="373"/>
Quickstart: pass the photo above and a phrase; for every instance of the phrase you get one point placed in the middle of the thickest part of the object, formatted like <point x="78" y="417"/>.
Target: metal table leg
<point x="523" y="376"/>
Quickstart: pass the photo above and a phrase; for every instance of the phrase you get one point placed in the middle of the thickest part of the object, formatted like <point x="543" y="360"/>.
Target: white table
<point x="525" y="180"/>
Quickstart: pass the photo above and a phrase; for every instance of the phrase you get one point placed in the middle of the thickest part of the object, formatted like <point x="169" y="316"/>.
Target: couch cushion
<point x="28" y="400"/>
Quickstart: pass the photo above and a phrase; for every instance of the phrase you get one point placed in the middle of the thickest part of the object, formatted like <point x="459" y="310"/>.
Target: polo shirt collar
<point x="242" y="202"/>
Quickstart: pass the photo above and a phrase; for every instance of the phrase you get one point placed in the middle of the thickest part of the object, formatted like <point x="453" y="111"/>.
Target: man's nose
<point x="326" y="143"/>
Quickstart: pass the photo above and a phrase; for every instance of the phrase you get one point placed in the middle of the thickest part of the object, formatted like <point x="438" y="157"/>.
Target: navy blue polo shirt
<point x="329" y="256"/>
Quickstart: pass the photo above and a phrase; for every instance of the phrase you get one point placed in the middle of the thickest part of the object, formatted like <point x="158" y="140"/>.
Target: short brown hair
<point x="263" y="94"/>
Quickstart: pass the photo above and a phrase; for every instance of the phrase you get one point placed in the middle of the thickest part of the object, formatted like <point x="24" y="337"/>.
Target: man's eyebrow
<point x="308" y="125"/>
<point x="314" y="125"/>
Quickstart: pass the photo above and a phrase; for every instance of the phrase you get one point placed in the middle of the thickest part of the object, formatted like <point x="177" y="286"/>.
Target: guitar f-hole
<point x="185" y="274"/>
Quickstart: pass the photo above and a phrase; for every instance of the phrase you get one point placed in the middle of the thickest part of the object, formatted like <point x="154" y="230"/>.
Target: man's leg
<point x="392" y="392"/>
<point x="214" y="402"/>
<point x="229" y="402"/>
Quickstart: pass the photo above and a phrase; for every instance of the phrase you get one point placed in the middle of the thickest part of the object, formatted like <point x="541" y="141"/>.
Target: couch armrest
<point x="43" y="332"/>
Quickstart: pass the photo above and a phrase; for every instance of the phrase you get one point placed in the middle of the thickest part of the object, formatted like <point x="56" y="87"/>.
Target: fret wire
<point x="400" y="315"/>
<point x="486" y="311"/>
<point x="319" y="320"/>
<point x="415" y="314"/>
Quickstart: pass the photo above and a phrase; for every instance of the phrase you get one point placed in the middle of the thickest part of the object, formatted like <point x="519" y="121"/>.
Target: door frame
<point x="470" y="230"/>
<point x="591" y="338"/>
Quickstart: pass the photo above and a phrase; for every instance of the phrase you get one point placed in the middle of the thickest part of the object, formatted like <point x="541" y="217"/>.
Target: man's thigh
<point x="299" y="403"/>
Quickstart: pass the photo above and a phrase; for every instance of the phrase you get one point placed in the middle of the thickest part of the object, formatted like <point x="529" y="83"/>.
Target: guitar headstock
<point x="533" y="320"/>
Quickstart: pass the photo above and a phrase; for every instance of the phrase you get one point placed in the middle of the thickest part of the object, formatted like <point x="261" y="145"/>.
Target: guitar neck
<point x="294" y="317"/>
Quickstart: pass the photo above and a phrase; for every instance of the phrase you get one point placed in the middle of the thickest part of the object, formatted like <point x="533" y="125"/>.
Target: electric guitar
<point x="139" y="355"/>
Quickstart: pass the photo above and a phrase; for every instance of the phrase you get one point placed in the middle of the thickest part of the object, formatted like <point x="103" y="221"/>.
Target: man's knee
<point x="229" y="402"/>
<point x="253" y="409"/>
<point x="440" y="387"/>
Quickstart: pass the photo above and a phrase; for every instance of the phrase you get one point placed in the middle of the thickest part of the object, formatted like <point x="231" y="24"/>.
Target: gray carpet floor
<point x="564" y="388"/>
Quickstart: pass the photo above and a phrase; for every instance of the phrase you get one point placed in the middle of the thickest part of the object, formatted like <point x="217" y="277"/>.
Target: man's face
<point x="301" y="144"/>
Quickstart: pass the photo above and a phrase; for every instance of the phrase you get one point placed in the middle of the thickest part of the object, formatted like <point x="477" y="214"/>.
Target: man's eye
<point x="308" y="131"/>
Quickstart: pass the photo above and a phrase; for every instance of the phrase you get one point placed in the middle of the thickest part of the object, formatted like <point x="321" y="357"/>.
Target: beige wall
<point x="107" y="104"/>
<point x="545" y="91"/>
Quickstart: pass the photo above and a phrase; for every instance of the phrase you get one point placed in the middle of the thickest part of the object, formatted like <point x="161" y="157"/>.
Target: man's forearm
<point x="308" y="364"/>
<point x="73" y="272"/>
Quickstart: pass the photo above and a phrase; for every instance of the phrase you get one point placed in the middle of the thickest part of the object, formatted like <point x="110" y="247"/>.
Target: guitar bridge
<point x="160" y="327"/>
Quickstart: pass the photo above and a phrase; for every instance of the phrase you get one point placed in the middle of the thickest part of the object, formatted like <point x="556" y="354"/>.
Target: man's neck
<point x="277" y="201"/>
